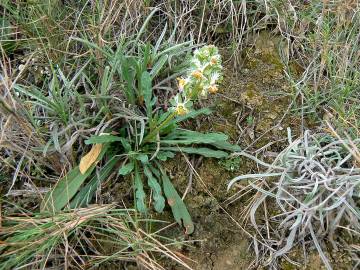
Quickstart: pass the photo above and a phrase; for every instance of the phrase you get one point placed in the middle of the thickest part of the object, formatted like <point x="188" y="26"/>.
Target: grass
<point x="95" y="82"/>
<point x="80" y="238"/>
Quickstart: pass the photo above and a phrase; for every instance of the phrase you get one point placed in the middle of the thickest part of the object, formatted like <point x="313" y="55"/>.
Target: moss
<point x="252" y="96"/>
<point x="273" y="59"/>
<point x="226" y="109"/>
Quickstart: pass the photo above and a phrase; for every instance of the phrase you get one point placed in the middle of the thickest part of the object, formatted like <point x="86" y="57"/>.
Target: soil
<point x="252" y="109"/>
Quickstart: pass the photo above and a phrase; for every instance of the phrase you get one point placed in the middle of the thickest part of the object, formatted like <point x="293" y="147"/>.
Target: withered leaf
<point x="90" y="158"/>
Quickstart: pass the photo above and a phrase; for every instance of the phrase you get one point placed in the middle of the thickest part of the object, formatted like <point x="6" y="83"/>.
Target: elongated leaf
<point x="127" y="168"/>
<point x="142" y="157"/>
<point x="178" y="207"/>
<point x="34" y="93"/>
<point x="92" y="45"/>
<point x="177" y="49"/>
<point x="251" y="176"/>
<point x="86" y="193"/>
<point x="158" y="66"/>
<point x="144" y="25"/>
<point x="67" y="187"/>
<point x="103" y="139"/>
<point x="206" y="152"/>
<point x="164" y="155"/>
<point x="227" y="146"/>
<point x="127" y="72"/>
<point x="159" y="201"/>
<point x="159" y="41"/>
<point x="139" y="192"/>
<point x="64" y="190"/>
<point x="192" y="114"/>
<point x="106" y="81"/>
<point x="192" y="137"/>
<point x="147" y="92"/>
<point x="108" y="139"/>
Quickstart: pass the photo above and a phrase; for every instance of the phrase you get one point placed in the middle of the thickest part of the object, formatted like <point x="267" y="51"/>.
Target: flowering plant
<point x="146" y="140"/>
<point x="202" y="78"/>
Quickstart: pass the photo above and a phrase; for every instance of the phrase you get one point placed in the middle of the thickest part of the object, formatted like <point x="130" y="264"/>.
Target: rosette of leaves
<point x="313" y="190"/>
<point x="139" y="148"/>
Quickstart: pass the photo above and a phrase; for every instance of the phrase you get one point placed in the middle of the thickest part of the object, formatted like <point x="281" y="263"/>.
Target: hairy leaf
<point x="159" y="201"/>
<point x="203" y="151"/>
<point x="142" y="157"/>
<point x="164" y="155"/>
<point x="64" y="190"/>
<point x="193" y="137"/>
<point x="127" y="168"/>
<point x="86" y="193"/>
<point x="67" y="187"/>
<point x="227" y="146"/>
<point x="158" y="66"/>
<point x="147" y="92"/>
<point x="108" y="139"/>
<point x="177" y="205"/>
<point x="139" y="192"/>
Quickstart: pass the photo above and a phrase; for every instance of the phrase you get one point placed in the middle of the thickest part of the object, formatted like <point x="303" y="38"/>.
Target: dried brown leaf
<point x="90" y="158"/>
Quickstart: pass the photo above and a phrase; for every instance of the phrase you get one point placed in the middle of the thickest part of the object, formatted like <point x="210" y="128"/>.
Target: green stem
<point x="155" y="131"/>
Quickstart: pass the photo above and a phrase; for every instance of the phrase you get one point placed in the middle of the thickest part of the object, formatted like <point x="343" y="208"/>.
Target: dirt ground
<point x="253" y="109"/>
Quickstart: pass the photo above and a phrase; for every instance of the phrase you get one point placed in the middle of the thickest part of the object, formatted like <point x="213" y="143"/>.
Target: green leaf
<point x="158" y="66"/>
<point x="192" y="137"/>
<point x="6" y="35"/>
<point x="67" y="187"/>
<point x="147" y="92"/>
<point x="106" y="81"/>
<point x="109" y="139"/>
<point x="178" y="207"/>
<point x="139" y="192"/>
<point x="191" y="115"/>
<point x="92" y="45"/>
<point x="144" y="26"/>
<point x="173" y="123"/>
<point x="142" y="157"/>
<point x="127" y="72"/>
<point x="145" y="61"/>
<point x="163" y="116"/>
<point x="164" y="155"/>
<point x="203" y="151"/>
<point x="86" y="193"/>
<point x="227" y="146"/>
<point x="64" y="190"/>
<point x="159" y="41"/>
<point x="127" y="168"/>
<point x="159" y="201"/>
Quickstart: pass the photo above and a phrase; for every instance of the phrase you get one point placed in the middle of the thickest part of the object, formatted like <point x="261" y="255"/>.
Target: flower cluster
<point x="202" y="77"/>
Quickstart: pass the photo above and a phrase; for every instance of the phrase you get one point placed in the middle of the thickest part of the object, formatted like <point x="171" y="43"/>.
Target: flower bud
<point x="213" y="89"/>
<point x="197" y="74"/>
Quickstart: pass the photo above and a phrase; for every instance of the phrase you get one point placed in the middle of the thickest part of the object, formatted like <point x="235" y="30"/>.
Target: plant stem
<point x="155" y="131"/>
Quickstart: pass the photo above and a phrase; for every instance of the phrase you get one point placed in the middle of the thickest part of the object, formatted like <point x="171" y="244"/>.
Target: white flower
<point x="181" y="107"/>
<point x="196" y="62"/>
<point x="214" y="77"/>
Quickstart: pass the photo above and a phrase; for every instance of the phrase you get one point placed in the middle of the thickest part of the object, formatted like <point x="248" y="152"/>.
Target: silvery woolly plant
<point x="311" y="192"/>
<point x="148" y="138"/>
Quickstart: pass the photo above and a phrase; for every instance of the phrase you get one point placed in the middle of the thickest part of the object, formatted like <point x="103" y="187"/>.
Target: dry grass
<point x="77" y="239"/>
<point x="40" y="41"/>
